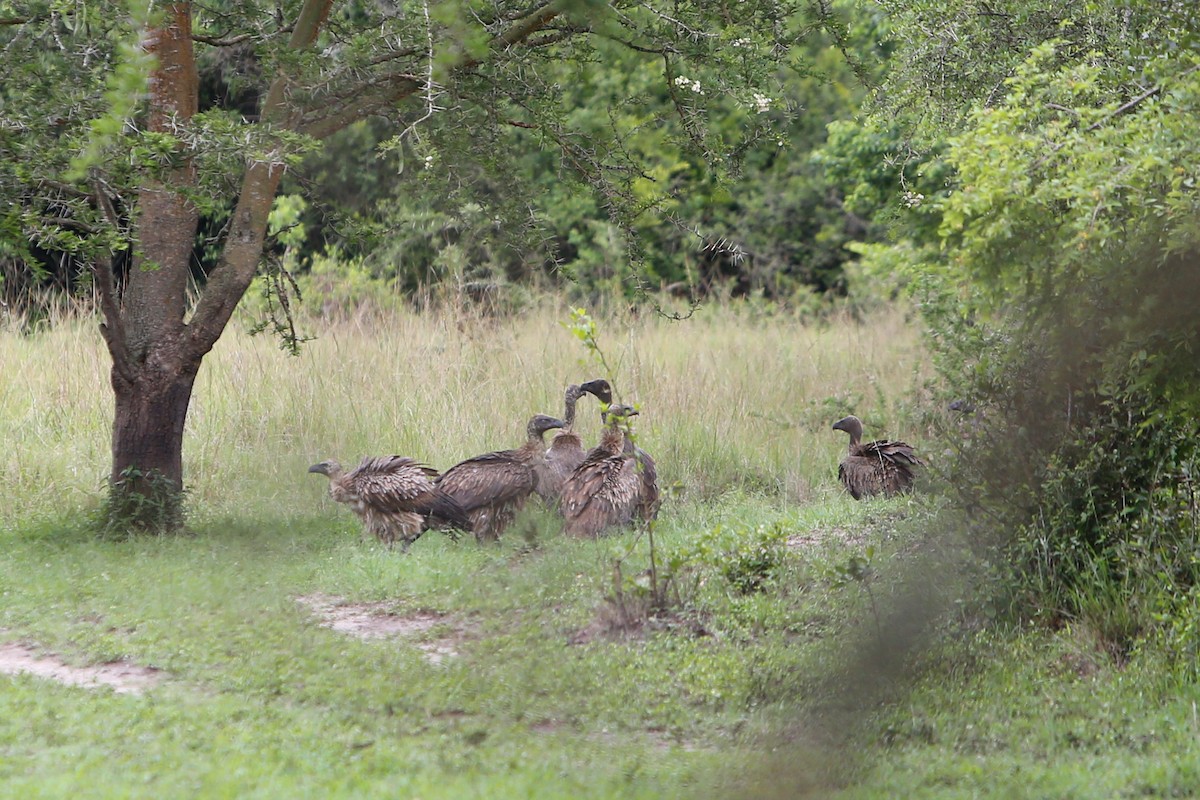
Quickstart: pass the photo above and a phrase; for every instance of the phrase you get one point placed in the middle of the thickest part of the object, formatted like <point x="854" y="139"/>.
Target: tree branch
<point x="113" y="328"/>
<point x="65" y="188"/>
<point x="1146" y="95"/>
<point x="1116" y="112"/>
<point x="73" y="224"/>
<point x="528" y="26"/>
<point x="367" y="101"/>
<point x="377" y="93"/>
<point x="228" y="282"/>
<point x="221" y="41"/>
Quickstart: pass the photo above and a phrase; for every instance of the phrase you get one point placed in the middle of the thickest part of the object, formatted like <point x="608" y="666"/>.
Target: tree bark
<point x="147" y="469"/>
<point x="151" y="376"/>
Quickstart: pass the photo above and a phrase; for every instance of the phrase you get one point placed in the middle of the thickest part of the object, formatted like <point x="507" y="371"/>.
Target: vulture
<point x="648" y="498"/>
<point x="493" y="487"/>
<point x="879" y="467"/>
<point x="605" y="490"/>
<point x="566" y="448"/>
<point x="393" y="495"/>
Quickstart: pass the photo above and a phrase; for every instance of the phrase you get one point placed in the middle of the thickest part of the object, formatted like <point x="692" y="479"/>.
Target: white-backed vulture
<point x="492" y="488"/>
<point x="880" y="467"/>
<point x="566" y="452"/>
<point x="649" y="496"/>
<point x="605" y="489"/>
<point x="393" y="495"/>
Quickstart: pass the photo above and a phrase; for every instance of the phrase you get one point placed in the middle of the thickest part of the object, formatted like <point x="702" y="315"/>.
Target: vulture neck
<point x="534" y="444"/>
<point x="854" y="428"/>
<point x="612" y="441"/>
<point x="572" y="397"/>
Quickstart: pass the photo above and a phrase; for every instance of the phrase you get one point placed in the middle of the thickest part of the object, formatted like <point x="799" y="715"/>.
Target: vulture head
<point x="851" y="425"/>
<point x="599" y="389"/>
<point x="619" y="413"/>
<point x="330" y="468"/>
<point x="540" y="423"/>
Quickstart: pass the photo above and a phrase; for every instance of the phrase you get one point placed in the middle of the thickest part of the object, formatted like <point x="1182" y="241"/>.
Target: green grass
<point x="1039" y="716"/>
<point x="735" y="694"/>
<point x="259" y="700"/>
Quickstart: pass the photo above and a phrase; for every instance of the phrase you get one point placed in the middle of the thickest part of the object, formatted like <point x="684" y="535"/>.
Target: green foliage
<point x="1031" y="714"/>
<point x="1062" y="167"/>
<point x="140" y="502"/>
<point x="1051" y="270"/>
<point x="611" y="175"/>
<point x="749" y="560"/>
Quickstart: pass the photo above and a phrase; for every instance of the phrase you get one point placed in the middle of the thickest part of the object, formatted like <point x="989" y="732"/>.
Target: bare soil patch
<point x="120" y="676"/>
<point x="379" y="621"/>
<point x="855" y="537"/>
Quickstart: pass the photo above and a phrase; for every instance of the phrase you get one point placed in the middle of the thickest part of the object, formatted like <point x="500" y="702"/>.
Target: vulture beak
<point x="321" y="468"/>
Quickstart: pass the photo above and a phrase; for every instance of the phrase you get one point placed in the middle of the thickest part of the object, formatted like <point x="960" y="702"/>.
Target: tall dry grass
<point x="730" y="397"/>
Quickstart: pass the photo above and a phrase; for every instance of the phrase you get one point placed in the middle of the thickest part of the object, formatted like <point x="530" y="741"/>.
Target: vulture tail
<point x="444" y="510"/>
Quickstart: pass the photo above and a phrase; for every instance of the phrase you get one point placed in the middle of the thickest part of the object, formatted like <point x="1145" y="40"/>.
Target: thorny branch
<point x="431" y="88"/>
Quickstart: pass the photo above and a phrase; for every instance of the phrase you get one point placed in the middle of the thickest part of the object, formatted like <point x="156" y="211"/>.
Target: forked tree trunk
<point x="156" y="353"/>
<point x="152" y="378"/>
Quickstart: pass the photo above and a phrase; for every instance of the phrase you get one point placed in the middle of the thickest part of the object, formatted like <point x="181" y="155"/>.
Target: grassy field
<point x="511" y="671"/>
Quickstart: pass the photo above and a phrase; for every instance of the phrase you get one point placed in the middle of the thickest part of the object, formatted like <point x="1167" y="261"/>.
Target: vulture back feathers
<point x="394" y="496"/>
<point x="603" y="491"/>
<point x="491" y="488"/>
<point x="879" y="467"/>
<point x="649" y="496"/>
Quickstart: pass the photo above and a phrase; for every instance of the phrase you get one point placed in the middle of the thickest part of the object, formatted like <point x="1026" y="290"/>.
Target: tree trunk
<point x="147" y="446"/>
<point x="152" y="377"/>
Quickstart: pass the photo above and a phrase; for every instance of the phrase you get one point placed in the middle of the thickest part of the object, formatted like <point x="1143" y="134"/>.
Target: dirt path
<point x="120" y="676"/>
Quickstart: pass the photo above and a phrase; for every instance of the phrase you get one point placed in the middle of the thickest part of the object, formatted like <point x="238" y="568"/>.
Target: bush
<point x="1077" y="462"/>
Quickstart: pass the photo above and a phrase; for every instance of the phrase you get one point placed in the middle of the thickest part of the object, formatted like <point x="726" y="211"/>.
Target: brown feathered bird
<point x="393" y="495"/>
<point x="566" y="448"/>
<point x="880" y="467"/>
<point x="649" y="496"/>
<point x="603" y="491"/>
<point x="493" y="487"/>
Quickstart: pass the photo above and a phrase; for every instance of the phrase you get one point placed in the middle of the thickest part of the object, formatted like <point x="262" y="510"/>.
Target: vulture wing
<point x="489" y="479"/>
<point x="879" y="467"/>
<point x="649" y="498"/>
<point x="396" y="484"/>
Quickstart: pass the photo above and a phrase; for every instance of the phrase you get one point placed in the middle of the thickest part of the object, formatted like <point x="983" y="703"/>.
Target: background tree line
<point x="599" y="177"/>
